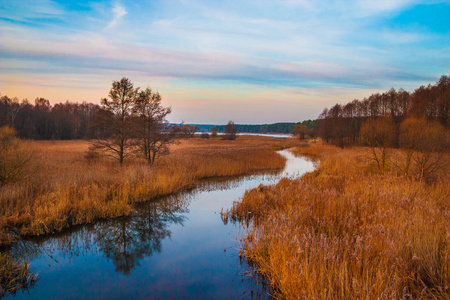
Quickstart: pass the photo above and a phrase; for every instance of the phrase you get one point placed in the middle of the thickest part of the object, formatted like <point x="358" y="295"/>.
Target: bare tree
<point x="230" y="131"/>
<point x="379" y="135"/>
<point x="153" y="132"/>
<point x="114" y="121"/>
<point x="409" y="139"/>
<point x="189" y="130"/>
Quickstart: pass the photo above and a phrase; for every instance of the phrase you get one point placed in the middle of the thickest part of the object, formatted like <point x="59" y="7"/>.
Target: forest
<point x="341" y="124"/>
<point x="41" y="121"/>
<point x="73" y="120"/>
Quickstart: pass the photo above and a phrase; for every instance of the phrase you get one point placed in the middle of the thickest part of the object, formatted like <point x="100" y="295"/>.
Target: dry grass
<point x="14" y="276"/>
<point x="346" y="232"/>
<point x="67" y="189"/>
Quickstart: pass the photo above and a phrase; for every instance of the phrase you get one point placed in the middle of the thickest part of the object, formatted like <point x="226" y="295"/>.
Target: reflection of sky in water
<point x="177" y="247"/>
<point x="295" y="166"/>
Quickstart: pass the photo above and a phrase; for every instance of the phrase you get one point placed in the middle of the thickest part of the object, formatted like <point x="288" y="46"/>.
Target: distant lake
<point x="274" y="135"/>
<point x="176" y="247"/>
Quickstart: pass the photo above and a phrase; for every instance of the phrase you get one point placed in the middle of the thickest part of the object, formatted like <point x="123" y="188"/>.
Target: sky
<point x="250" y="61"/>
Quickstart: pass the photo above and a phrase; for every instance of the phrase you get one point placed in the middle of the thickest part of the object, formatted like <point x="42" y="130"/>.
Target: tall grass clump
<point x="15" y="157"/>
<point x="346" y="231"/>
<point x="14" y="276"/>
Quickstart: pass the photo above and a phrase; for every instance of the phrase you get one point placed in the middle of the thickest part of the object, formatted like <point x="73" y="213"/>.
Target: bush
<point x="425" y="143"/>
<point x="91" y="155"/>
<point x="205" y="135"/>
<point x="301" y="130"/>
<point x="14" y="157"/>
<point x="379" y="135"/>
<point x="230" y="131"/>
<point x="214" y="132"/>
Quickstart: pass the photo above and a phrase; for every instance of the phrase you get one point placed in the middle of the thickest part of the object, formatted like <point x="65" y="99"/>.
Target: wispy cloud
<point x="118" y="11"/>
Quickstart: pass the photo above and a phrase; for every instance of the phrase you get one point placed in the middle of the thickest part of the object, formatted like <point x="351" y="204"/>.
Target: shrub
<point x="425" y="143"/>
<point x="379" y="135"/>
<point x="230" y="131"/>
<point x="91" y="155"/>
<point x="14" y="157"/>
<point x="214" y="132"/>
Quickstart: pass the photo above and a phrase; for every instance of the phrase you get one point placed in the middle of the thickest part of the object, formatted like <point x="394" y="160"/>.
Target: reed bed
<point x="66" y="189"/>
<point x="347" y="232"/>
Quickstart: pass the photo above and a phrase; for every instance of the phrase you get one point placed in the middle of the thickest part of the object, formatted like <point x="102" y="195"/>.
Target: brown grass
<point x="347" y="232"/>
<point x="67" y="189"/>
<point x="14" y="276"/>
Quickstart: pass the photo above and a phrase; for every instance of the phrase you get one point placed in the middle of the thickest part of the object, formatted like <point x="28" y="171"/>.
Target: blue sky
<point x="213" y="61"/>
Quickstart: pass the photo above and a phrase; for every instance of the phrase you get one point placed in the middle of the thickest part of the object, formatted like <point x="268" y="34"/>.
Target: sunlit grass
<point x="347" y="232"/>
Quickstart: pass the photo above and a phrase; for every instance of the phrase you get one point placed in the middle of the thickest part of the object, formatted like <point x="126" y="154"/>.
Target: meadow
<point x="65" y="188"/>
<point x="345" y="231"/>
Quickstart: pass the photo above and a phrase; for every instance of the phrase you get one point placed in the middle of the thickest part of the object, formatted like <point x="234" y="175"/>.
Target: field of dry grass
<point x="347" y="232"/>
<point x="66" y="189"/>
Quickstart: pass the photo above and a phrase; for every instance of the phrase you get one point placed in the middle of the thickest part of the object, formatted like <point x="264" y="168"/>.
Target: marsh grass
<point x="71" y="188"/>
<point x="345" y="231"/>
<point x="14" y="276"/>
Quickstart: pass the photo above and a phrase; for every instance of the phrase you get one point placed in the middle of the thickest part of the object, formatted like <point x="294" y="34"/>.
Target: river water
<point x="177" y="247"/>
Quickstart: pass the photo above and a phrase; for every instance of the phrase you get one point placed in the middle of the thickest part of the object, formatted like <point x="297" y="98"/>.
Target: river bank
<point x="345" y="231"/>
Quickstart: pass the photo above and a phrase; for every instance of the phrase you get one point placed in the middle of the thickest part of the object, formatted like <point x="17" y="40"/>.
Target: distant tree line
<point x="268" y="128"/>
<point x="341" y="124"/>
<point x="62" y="121"/>
<point x="70" y="120"/>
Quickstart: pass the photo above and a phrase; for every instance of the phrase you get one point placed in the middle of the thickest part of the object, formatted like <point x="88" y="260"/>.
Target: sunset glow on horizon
<point x="214" y="61"/>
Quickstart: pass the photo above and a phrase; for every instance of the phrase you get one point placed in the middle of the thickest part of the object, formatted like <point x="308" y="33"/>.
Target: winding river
<point x="175" y="247"/>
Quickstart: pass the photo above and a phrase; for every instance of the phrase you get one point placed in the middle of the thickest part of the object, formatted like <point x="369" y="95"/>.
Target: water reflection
<point x="125" y="241"/>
